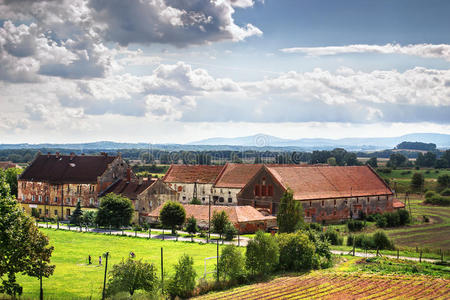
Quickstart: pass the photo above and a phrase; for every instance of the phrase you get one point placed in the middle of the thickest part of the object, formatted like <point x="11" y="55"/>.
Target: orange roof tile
<point x="237" y="175"/>
<point x="398" y="204"/>
<point x="321" y="182"/>
<point x="192" y="173"/>
<point x="236" y="214"/>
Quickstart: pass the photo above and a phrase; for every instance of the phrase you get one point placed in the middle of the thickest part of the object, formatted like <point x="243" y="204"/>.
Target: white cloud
<point x="423" y="50"/>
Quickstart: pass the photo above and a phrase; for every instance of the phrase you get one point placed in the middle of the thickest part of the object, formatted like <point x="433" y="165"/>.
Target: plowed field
<point x="342" y="286"/>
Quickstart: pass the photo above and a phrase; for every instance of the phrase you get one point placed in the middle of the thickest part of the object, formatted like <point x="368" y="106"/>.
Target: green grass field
<point x="408" y="173"/>
<point x="74" y="279"/>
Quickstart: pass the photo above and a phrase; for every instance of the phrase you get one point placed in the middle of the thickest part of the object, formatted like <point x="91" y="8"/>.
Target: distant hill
<point x="260" y="142"/>
<point x="441" y="140"/>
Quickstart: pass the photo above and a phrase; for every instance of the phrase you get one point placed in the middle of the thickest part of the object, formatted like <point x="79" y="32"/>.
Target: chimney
<point x="72" y="155"/>
<point x="57" y="155"/>
<point x="128" y="174"/>
<point x="141" y="179"/>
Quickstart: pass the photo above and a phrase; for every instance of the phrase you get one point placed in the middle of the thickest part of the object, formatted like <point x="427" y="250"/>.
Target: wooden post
<point x="420" y="257"/>
<point x="109" y="229"/>
<point x="239" y="238"/>
<point x="104" y="278"/>
<point x="162" y="269"/>
<point x="217" y="260"/>
<point x="149" y="233"/>
<point x="57" y="223"/>
<point x="163" y="234"/>
<point x="353" y="246"/>
<point x="398" y="254"/>
<point x="442" y="256"/>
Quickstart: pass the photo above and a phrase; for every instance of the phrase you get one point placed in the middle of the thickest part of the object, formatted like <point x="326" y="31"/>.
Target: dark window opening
<point x="221" y="199"/>
<point x="230" y="200"/>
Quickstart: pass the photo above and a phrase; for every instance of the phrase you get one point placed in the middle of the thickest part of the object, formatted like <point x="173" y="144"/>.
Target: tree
<point x="331" y="161"/>
<point x="381" y="241"/>
<point x="114" y="210"/>
<point x="88" y="217"/>
<point x="219" y="222"/>
<point x="296" y="251"/>
<point x="262" y="254"/>
<point x="183" y="282"/>
<point x="23" y="248"/>
<point x="172" y="215"/>
<point x="417" y="181"/>
<point x="373" y="162"/>
<point x="77" y="215"/>
<point x="230" y="231"/>
<point x="191" y="227"/>
<point x="11" y="178"/>
<point x="132" y="275"/>
<point x="397" y="160"/>
<point x="443" y="181"/>
<point x="290" y="214"/>
<point x="231" y="264"/>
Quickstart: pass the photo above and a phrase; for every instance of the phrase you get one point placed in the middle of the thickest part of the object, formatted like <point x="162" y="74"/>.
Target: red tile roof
<point x="7" y="164"/>
<point x="67" y="169"/>
<point x="322" y="182"/>
<point x="236" y="214"/>
<point x="192" y="173"/>
<point x="237" y="175"/>
<point x="129" y="189"/>
<point x="398" y="204"/>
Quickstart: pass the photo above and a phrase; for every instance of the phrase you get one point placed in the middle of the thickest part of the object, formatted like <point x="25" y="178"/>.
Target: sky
<point x="172" y="71"/>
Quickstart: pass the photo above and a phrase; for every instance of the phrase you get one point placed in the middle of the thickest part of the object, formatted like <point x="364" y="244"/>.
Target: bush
<point x="323" y="252"/>
<point x="137" y="228"/>
<point x="333" y="237"/>
<point x="355" y="225"/>
<point x="393" y="219"/>
<point x="430" y="194"/>
<point x="404" y="217"/>
<point x="230" y="232"/>
<point x="132" y="275"/>
<point x="381" y="241"/>
<point x="438" y="200"/>
<point x="426" y="219"/>
<point x="363" y="241"/>
<point x="315" y="226"/>
<point x="183" y="282"/>
<point x="385" y="170"/>
<point x="417" y="181"/>
<point x="262" y="254"/>
<point x="446" y="192"/>
<point x="231" y="264"/>
<point x="296" y="251"/>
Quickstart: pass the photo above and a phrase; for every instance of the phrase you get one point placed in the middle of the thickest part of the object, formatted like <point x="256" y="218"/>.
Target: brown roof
<point x="192" y="173"/>
<point x="7" y="164"/>
<point x="398" y="204"/>
<point x="66" y="168"/>
<point x="129" y="189"/>
<point x="237" y="175"/>
<point x="236" y="214"/>
<point x="321" y="182"/>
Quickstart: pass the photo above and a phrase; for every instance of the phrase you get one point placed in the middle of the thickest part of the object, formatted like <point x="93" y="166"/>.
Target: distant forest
<point x="417" y="146"/>
<point x="337" y="156"/>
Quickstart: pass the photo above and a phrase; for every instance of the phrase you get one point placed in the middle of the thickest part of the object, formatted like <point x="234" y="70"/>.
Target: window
<point x="257" y="190"/>
<point x="78" y="199"/>
<point x="91" y="201"/>
<point x="68" y="200"/>
<point x="40" y="211"/>
<point x="310" y="203"/>
<point x="334" y="202"/>
<point x="56" y="212"/>
<point x="40" y="198"/>
<point x="230" y="200"/>
<point x="23" y="197"/>
<point x="46" y="212"/>
<point x="221" y="199"/>
<point x="68" y="211"/>
<point x="32" y="198"/>
<point x="203" y="199"/>
<point x="143" y="208"/>
<point x="263" y="190"/>
<point x="323" y="203"/>
<point x="184" y="198"/>
<point x="46" y="199"/>
<point x="68" y="188"/>
<point x="56" y="199"/>
<point x="357" y="200"/>
<point x="270" y="191"/>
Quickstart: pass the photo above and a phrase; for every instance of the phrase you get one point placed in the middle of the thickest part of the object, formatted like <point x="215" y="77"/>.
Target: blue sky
<point x="179" y="71"/>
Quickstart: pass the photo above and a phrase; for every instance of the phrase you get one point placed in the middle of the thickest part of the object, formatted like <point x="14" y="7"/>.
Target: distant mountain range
<point x="263" y="140"/>
<point x="256" y="142"/>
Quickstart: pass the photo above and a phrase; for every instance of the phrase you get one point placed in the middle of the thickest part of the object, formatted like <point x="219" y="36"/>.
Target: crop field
<point x="342" y="286"/>
<point x="433" y="235"/>
<point x="75" y="279"/>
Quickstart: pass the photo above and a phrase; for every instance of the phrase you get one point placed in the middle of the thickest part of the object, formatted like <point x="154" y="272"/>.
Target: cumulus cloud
<point x="422" y="50"/>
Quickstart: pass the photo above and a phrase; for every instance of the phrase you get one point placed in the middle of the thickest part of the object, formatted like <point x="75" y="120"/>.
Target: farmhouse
<point x="8" y="164"/>
<point x="326" y="193"/>
<point x="53" y="184"/>
<point x="145" y="193"/>
<point x="246" y="219"/>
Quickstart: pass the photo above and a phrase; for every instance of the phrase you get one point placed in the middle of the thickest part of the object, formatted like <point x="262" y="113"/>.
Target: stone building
<point x="246" y="219"/>
<point x="326" y="193"/>
<point x="53" y="184"/>
<point x="146" y="194"/>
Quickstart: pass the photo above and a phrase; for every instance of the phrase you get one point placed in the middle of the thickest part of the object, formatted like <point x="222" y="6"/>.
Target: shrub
<point x="444" y="181"/>
<point x="392" y="219"/>
<point x="333" y="237"/>
<point x="381" y="241"/>
<point x="191" y="226"/>
<point x="132" y="275"/>
<point x="137" y="228"/>
<point x="230" y="232"/>
<point x="350" y="239"/>
<point x="446" y="192"/>
<point x="323" y="253"/>
<point x="417" y="181"/>
<point x="363" y="241"/>
<point x="438" y="200"/>
<point x="219" y="222"/>
<point x="183" y="282"/>
<point x="195" y="201"/>
<point x="34" y="213"/>
<point x="355" y="225"/>
<point x="315" y="226"/>
<point x="430" y="194"/>
<point x="296" y="251"/>
<point x="426" y="219"/>
<point x="385" y="170"/>
<point x="262" y="254"/>
<point x="404" y="217"/>
<point x="231" y="264"/>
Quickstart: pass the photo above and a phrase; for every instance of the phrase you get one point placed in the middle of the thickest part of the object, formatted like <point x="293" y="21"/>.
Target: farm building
<point x="145" y="193"/>
<point x="53" y="184"/>
<point x="8" y="164"/>
<point x="326" y="193"/>
<point x="246" y="219"/>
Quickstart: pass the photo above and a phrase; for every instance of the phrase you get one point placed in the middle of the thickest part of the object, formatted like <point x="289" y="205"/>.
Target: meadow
<point x="75" y="279"/>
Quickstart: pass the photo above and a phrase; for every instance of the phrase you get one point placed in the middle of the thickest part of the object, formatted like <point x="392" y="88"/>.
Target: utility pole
<point x="162" y="269"/>
<point x="62" y="201"/>
<point x="104" y="278"/>
<point x="217" y="260"/>
<point x="209" y="219"/>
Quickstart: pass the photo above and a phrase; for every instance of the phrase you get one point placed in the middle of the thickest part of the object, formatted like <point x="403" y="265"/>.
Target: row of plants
<point x="434" y="198"/>
<point x="376" y="241"/>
